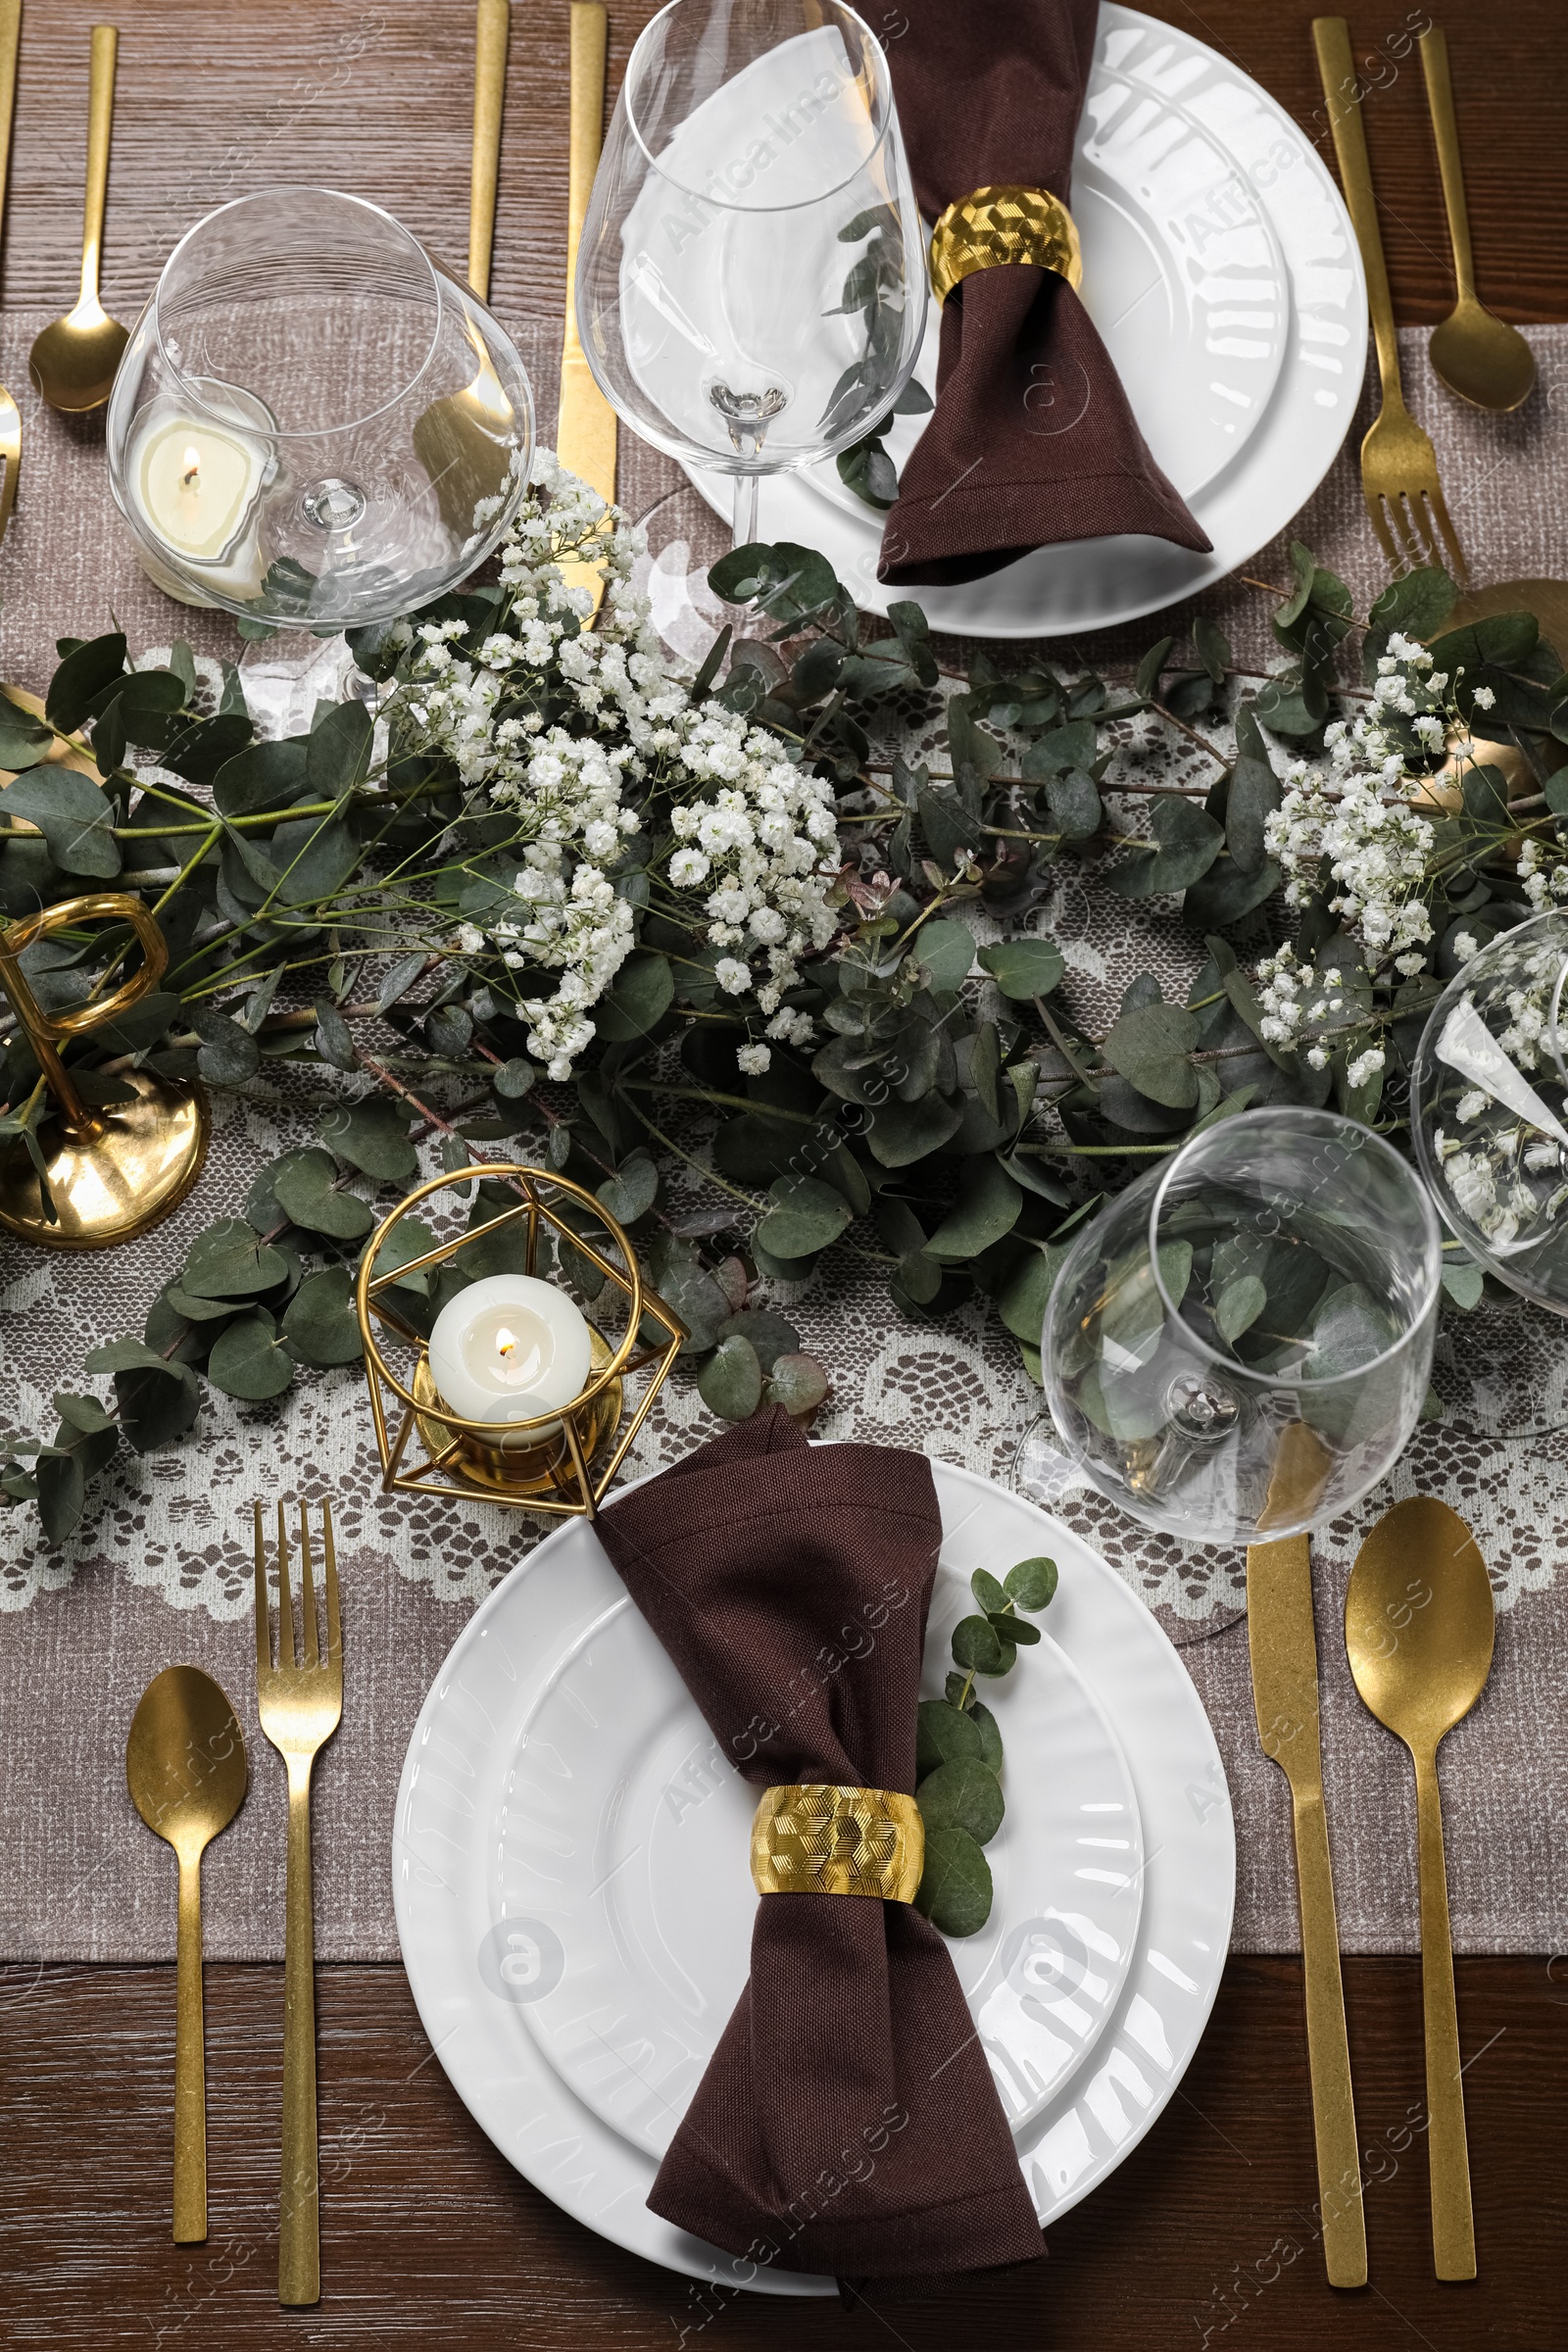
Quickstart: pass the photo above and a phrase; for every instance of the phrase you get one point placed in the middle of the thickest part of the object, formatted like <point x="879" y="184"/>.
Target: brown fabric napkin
<point x="847" y="2122"/>
<point x="1032" y="440"/>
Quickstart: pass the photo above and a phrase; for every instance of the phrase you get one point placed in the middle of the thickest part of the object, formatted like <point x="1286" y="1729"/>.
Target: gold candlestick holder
<point x="560" y="1462"/>
<point x="110" y="1173"/>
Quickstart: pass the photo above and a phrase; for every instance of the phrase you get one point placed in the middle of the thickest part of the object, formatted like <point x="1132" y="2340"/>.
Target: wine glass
<point x="316" y="423"/>
<point x="1489" y="1111"/>
<point x="1238" y="1348"/>
<point x="751" y="279"/>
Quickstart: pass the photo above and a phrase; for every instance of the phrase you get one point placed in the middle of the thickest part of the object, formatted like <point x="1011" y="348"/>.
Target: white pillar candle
<point x="195" y="483"/>
<point x="510" y="1349"/>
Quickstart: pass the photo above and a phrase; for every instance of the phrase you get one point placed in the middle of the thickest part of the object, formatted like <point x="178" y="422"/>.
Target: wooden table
<point x="1207" y="2235"/>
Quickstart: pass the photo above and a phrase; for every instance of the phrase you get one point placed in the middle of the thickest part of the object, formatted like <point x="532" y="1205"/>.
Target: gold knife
<point x="585" y="432"/>
<point x="489" y="89"/>
<point x="1285" y="1694"/>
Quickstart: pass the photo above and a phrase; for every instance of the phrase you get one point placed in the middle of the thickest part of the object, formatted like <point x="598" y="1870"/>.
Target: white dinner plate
<point x="626" y="1831"/>
<point x="1158" y="106"/>
<point x="474" y="1977"/>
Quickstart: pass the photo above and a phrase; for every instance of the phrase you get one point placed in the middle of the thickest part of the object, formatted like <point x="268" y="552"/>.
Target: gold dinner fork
<point x="300" y="1705"/>
<point x="10" y="414"/>
<point x="1399" y="464"/>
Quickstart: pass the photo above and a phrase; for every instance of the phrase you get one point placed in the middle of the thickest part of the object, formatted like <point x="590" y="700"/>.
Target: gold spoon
<point x="185" y="1764"/>
<point x="72" y="363"/>
<point x="1482" y="359"/>
<point x="1418" y="1626"/>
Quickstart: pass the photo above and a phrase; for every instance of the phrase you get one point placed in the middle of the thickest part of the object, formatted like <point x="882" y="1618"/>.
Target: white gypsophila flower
<point x="1464" y="945"/>
<point x="763" y="834"/>
<point x="794" y="1028"/>
<point x="1365" y="1065"/>
<point x="573" y="733"/>
<point x="754" y="1060"/>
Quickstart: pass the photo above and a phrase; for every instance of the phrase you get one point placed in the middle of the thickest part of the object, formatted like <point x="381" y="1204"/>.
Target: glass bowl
<point x="315" y="423"/>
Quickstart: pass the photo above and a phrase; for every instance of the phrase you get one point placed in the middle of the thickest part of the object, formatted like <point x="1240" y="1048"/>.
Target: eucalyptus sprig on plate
<point x="958" y="1747"/>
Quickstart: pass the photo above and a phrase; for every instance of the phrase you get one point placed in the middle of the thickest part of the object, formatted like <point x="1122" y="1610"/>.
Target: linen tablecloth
<point x="161" y="1572"/>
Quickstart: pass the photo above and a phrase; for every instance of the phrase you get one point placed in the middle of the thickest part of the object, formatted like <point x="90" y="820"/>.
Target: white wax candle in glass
<point x="510" y="1349"/>
<point x="196" y="482"/>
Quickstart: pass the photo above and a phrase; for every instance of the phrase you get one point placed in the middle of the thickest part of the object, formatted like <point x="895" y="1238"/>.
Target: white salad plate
<point x="626" y="1831"/>
<point x="474" y="1843"/>
<point x="1222" y="271"/>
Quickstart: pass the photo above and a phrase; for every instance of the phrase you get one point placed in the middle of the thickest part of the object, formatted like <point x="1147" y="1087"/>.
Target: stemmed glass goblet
<point x="1489" y="1111"/>
<point x="751" y="279"/>
<point x="1238" y="1348"/>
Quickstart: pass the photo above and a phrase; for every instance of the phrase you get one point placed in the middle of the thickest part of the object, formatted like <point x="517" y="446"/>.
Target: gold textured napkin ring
<point x="818" y="1839"/>
<point x="993" y="225"/>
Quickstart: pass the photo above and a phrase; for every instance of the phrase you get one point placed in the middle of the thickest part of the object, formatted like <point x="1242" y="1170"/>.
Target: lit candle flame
<point x="505" y="1340"/>
<point x="191" y="470"/>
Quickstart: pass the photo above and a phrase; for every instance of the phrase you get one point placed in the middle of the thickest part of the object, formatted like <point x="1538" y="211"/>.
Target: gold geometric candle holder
<point x="562" y="1461"/>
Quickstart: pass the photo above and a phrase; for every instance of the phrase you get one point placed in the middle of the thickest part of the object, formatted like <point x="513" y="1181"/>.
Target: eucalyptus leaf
<point x="1186" y="843"/>
<point x="807" y="1215"/>
<point x="305" y="1184"/>
<point x="1024" y="969"/>
<point x="372" y="1136"/>
<point x="796" y="1382"/>
<point x="955" y="1892"/>
<point x="987" y="1207"/>
<point x="1032" y="1584"/>
<point x="1149" y="1047"/>
<point x="965" y="1794"/>
<point x="633" y="1189"/>
<point x="319" y="1322"/>
<point x="643" y="992"/>
<point x="1238" y="1308"/>
<point x="230" y="1261"/>
<point x="74" y="816"/>
<point x="248" y="1359"/>
<point x="228" y="1054"/>
<point x="731" y="1383"/>
<point x="945" y="950"/>
<point x="976" y="1647"/>
<point x="944" y="1735"/>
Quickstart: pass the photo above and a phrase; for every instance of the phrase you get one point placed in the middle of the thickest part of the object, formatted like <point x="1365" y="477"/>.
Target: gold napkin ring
<point x="993" y="225"/>
<point x="818" y="1839"/>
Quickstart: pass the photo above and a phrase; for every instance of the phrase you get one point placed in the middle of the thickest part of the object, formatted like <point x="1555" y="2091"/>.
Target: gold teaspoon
<point x="1482" y="359"/>
<point x="185" y="1766"/>
<point x="1418" y="1628"/>
<point x="72" y="363"/>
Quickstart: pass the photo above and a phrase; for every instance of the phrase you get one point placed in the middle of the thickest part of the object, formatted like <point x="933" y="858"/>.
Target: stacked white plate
<point x="573" y="1897"/>
<point x="1222" y="271"/>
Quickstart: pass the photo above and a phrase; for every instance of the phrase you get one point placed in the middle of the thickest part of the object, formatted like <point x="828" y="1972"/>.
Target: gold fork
<point x="1399" y="464"/>
<point x="300" y="1706"/>
<point x="10" y="414"/>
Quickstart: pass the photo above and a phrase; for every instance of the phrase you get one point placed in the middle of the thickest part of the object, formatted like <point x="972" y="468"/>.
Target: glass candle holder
<point x="316" y="423"/>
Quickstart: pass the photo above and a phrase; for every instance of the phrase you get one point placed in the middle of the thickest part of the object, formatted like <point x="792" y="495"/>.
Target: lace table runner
<point x="162" y="1573"/>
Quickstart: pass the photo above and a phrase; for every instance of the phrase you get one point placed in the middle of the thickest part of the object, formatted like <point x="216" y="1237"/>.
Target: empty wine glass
<point x="316" y="422"/>
<point x="1488" y="1110"/>
<point x="1237" y="1347"/>
<point x="750" y="281"/>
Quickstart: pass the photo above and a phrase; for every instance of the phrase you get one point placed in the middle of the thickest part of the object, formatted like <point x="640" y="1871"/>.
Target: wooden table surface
<point x="1206" y="2236"/>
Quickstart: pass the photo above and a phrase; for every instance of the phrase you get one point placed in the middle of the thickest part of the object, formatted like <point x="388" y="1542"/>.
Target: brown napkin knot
<point x="847" y="2122"/>
<point x="1032" y="441"/>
